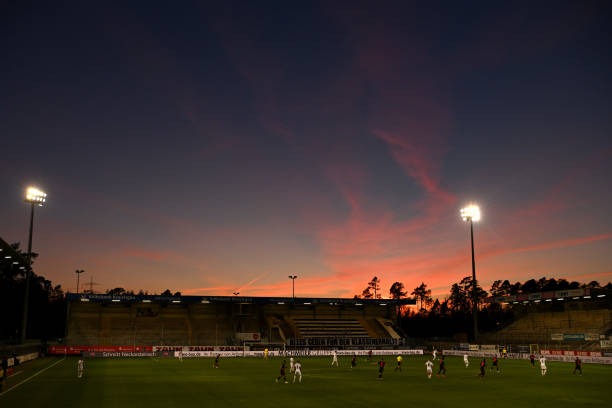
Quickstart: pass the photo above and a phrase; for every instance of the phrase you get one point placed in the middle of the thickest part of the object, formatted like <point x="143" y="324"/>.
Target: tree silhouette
<point x="422" y="293"/>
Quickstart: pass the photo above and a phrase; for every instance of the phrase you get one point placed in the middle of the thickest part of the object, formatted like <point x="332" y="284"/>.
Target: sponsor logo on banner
<point x="556" y="336"/>
<point x="112" y="354"/>
<point x="591" y="336"/>
<point x="474" y="347"/>
<point x="197" y="348"/>
<point x="605" y="343"/>
<point x="248" y="336"/>
<point x="573" y="336"/>
<point x="571" y="292"/>
<point x="488" y="347"/>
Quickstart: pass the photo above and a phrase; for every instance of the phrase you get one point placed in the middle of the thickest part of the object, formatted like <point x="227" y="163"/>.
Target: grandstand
<point x="579" y="317"/>
<point x="106" y="320"/>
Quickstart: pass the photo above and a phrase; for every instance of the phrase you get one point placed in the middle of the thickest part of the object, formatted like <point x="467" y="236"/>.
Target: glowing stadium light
<point x="35" y="196"/>
<point x="383" y="304"/>
<point x="586" y="297"/>
<point x="537" y="301"/>
<point x="176" y="301"/>
<point x="84" y="300"/>
<point x="601" y="295"/>
<point x="358" y="304"/>
<point x="470" y="213"/>
<point x="560" y="299"/>
<point x="7" y="257"/>
<point x="15" y="263"/>
<point x="206" y="301"/>
<point x="281" y="303"/>
<point x="146" y="301"/>
<point x="549" y="300"/>
<point x="576" y="297"/>
<point x="307" y="303"/>
<point x="116" y="300"/>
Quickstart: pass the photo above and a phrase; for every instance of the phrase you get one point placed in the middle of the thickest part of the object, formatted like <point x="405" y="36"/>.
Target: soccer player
<point x="353" y="361"/>
<point x="543" y="365"/>
<point x="532" y="360"/>
<point x="265" y="354"/>
<point x="435" y="353"/>
<point x="495" y="364"/>
<point x="180" y="355"/>
<point x="291" y="365"/>
<point x="442" y="369"/>
<point x="578" y="366"/>
<point x="466" y="361"/>
<point x="80" y="368"/>
<point x="217" y="360"/>
<point x="282" y="373"/>
<point x="370" y="355"/>
<point x="429" y="366"/>
<point x="483" y="365"/>
<point x="335" y="359"/>
<point x="399" y="364"/>
<point x="298" y="371"/>
<point x="381" y="368"/>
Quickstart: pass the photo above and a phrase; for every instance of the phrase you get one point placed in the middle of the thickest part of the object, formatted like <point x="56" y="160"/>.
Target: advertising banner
<point x="535" y="296"/>
<point x="248" y="336"/>
<point x="573" y="336"/>
<point x="197" y="348"/>
<point x="556" y="336"/>
<point x="112" y="354"/>
<point x="591" y="336"/>
<point x="605" y="343"/>
<point x="488" y="347"/>
<point x="568" y="293"/>
<point x="594" y="357"/>
<point x="77" y="350"/>
<point x="474" y="347"/>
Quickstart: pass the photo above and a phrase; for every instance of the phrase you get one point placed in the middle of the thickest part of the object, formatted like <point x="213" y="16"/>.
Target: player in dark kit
<point x="381" y="368"/>
<point x="483" y="365"/>
<point x="282" y="373"/>
<point x="442" y="369"/>
<point x="370" y="355"/>
<point x="217" y="360"/>
<point x="532" y="360"/>
<point x="353" y="361"/>
<point x="578" y="366"/>
<point x="495" y="364"/>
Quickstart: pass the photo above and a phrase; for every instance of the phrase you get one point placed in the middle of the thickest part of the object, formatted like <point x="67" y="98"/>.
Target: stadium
<point x="305" y="204"/>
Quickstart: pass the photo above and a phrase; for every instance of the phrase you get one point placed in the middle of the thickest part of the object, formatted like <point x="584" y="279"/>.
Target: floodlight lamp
<point x="35" y="196"/>
<point x="470" y="213"/>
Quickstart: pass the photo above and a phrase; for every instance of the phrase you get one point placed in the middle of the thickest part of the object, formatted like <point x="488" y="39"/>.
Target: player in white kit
<point x="180" y="355"/>
<point x="429" y="366"/>
<point x="335" y="359"/>
<point x="466" y="361"/>
<point x="80" y="368"/>
<point x="435" y="353"/>
<point x="543" y="365"/>
<point x="291" y="365"/>
<point x="298" y="371"/>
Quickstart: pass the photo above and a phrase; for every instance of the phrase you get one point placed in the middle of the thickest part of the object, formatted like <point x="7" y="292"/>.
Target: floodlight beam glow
<point x="471" y="212"/>
<point x="35" y="196"/>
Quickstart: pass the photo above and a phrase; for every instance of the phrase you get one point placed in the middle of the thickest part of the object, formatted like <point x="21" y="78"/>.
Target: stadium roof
<point x="236" y="299"/>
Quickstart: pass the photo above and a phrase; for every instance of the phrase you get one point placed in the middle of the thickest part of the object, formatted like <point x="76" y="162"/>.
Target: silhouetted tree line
<point x="452" y="316"/>
<point x="47" y="306"/>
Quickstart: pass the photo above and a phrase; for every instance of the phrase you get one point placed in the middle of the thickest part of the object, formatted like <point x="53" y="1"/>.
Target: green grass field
<point x="165" y="382"/>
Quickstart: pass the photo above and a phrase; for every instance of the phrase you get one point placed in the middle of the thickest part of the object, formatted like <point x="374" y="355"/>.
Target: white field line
<point x="32" y="376"/>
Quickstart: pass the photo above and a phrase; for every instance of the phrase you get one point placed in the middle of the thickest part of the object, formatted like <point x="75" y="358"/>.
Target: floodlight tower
<point x="78" y="274"/>
<point x="34" y="197"/>
<point x="471" y="213"/>
<point x="293" y="278"/>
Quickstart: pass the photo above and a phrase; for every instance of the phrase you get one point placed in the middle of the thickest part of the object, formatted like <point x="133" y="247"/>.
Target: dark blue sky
<point x="210" y="147"/>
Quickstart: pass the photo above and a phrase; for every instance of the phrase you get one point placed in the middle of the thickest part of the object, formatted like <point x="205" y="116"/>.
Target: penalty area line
<point x="32" y="376"/>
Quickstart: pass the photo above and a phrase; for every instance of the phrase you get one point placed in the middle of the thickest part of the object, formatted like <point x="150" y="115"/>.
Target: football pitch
<point x="240" y="382"/>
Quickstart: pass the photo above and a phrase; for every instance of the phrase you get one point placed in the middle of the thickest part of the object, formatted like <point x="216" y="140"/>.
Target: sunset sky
<point x="209" y="149"/>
